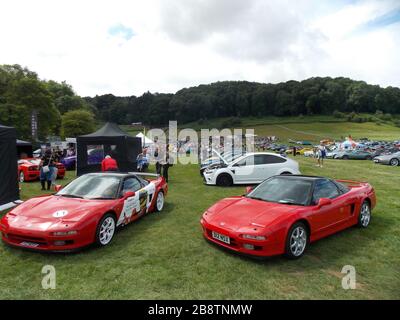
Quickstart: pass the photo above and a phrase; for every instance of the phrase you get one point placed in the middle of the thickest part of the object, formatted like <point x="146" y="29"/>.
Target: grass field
<point x="164" y="255"/>
<point x="312" y="128"/>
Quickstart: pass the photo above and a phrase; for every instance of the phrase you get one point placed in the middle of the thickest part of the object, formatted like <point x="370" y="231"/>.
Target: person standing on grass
<point x="46" y="169"/>
<point x="168" y="162"/>
<point x="294" y="151"/>
<point x="109" y="164"/>
<point x="54" y="176"/>
<point x="321" y="154"/>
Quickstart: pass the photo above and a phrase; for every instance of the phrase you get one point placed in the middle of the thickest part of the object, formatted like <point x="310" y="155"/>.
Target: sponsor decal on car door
<point x="137" y="205"/>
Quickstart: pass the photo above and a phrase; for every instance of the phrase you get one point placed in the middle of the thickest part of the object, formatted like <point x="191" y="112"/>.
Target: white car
<point x="251" y="168"/>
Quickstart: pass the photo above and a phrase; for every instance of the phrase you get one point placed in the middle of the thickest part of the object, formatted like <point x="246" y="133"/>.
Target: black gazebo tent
<point x="109" y="140"/>
<point x="8" y="170"/>
<point x="24" y="147"/>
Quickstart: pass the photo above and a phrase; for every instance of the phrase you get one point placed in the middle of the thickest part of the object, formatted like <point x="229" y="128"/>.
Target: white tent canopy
<point x="147" y="142"/>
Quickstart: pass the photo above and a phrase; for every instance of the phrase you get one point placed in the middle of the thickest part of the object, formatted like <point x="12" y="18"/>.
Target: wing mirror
<point x="249" y="189"/>
<point x="324" y="202"/>
<point x="128" y="194"/>
<point x="58" y="187"/>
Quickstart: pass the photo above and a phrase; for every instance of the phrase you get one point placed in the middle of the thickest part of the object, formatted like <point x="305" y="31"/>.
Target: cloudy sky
<point x="129" y="47"/>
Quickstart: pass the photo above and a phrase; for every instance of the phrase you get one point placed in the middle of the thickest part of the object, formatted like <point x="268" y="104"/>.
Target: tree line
<point x="313" y="96"/>
<point x="62" y="112"/>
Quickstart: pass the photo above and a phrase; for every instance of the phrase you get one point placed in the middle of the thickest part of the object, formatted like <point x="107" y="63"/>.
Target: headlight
<point x="64" y="233"/>
<point x="252" y="237"/>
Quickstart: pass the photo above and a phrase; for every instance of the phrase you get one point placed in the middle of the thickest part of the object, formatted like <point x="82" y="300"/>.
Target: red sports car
<point x="86" y="211"/>
<point x="28" y="169"/>
<point x="285" y="213"/>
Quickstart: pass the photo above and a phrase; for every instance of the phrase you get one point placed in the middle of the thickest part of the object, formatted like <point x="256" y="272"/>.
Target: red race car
<point x="285" y="213"/>
<point x="86" y="211"/>
<point x="28" y="169"/>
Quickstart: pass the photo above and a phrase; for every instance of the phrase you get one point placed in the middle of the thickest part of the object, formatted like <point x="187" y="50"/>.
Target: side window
<point x="325" y="189"/>
<point x="248" y="161"/>
<point x="131" y="184"/>
<point x="143" y="181"/>
<point x="267" y="159"/>
<point x="274" y="159"/>
<point x="260" y="159"/>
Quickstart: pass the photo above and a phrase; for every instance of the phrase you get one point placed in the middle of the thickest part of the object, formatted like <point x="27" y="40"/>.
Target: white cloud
<point x="180" y="43"/>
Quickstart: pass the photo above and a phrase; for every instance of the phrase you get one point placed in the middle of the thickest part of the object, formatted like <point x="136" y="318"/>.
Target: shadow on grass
<point x="324" y="251"/>
<point x="141" y="224"/>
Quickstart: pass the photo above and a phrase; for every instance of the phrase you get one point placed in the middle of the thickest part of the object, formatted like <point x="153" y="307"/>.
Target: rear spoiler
<point x="352" y="183"/>
<point x="144" y="174"/>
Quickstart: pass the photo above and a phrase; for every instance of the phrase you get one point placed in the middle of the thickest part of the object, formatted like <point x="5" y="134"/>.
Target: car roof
<point x="265" y="153"/>
<point x="302" y="177"/>
<point x="110" y="174"/>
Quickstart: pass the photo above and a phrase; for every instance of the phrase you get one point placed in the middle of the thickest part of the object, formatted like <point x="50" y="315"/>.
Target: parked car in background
<point x="278" y="147"/>
<point x="389" y="159"/>
<point x="251" y="168"/>
<point x="28" y="169"/>
<point x="37" y="153"/>
<point x="284" y="214"/>
<point x="309" y="153"/>
<point x="220" y="158"/>
<point x="353" y="155"/>
<point x="69" y="162"/>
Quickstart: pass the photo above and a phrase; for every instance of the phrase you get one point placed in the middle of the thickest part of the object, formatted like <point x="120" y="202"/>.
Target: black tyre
<point x="296" y="241"/>
<point x="345" y="157"/>
<point x="368" y="158"/>
<point x="364" y="217"/>
<point x="394" y="162"/>
<point x="283" y="173"/>
<point x="105" y="230"/>
<point x="224" y="180"/>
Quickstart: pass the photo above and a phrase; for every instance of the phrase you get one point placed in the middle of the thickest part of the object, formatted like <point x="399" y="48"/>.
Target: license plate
<point x="29" y="244"/>
<point x="221" y="237"/>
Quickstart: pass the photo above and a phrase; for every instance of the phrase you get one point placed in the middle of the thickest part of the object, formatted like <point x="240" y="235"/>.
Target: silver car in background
<point x="389" y="159"/>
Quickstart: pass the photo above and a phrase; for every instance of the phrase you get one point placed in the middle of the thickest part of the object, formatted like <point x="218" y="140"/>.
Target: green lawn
<point x="164" y="255"/>
<point x="312" y="128"/>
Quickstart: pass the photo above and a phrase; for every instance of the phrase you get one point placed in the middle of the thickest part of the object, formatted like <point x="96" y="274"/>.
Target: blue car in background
<point x="69" y="162"/>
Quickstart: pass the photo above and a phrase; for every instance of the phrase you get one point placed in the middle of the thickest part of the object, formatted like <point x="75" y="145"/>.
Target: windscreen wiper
<point x="70" y="196"/>
<point x="291" y="203"/>
<point x="256" y="198"/>
<point x="101" y="198"/>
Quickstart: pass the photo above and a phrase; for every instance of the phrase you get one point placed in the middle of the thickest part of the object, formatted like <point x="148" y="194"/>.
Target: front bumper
<point x="265" y="248"/>
<point x="209" y="178"/>
<point x="44" y="241"/>
<point x="32" y="175"/>
<point x="381" y="161"/>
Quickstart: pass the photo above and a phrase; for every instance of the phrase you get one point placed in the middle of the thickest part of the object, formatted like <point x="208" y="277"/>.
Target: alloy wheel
<point x="107" y="230"/>
<point x="298" y="241"/>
